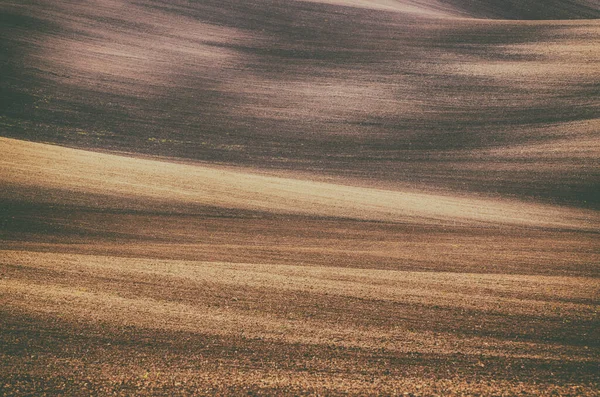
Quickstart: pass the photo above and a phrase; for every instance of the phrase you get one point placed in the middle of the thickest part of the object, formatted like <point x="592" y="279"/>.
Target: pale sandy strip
<point x="51" y="167"/>
<point x="431" y="8"/>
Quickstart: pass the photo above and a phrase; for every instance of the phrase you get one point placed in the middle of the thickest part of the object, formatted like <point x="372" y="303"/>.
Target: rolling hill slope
<point x="412" y="92"/>
<point x="76" y="175"/>
<point x="285" y="197"/>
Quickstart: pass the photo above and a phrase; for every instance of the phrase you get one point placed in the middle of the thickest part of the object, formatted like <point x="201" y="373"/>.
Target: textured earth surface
<point x="284" y="197"/>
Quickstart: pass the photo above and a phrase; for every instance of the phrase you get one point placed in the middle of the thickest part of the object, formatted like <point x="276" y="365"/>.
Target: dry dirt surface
<point x="286" y="197"/>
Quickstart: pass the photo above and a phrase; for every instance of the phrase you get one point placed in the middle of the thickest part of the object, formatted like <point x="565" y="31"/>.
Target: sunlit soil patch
<point x="153" y="326"/>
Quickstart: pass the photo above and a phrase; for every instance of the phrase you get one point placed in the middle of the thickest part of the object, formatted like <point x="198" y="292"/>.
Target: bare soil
<point x="277" y="197"/>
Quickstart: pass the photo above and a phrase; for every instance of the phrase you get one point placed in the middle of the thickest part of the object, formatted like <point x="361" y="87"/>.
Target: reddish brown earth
<point x="280" y="197"/>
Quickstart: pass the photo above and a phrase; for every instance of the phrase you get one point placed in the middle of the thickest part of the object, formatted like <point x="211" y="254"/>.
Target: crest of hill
<point x="527" y="10"/>
<point x="483" y="9"/>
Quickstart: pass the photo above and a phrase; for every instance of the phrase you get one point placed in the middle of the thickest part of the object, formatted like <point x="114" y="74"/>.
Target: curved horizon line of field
<point x="28" y="167"/>
<point x="487" y="9"/>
